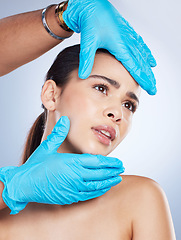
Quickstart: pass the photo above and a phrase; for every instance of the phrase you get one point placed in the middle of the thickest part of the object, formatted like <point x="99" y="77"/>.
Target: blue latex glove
<point x="102" y="26"/>
<point x="58" y="178"/>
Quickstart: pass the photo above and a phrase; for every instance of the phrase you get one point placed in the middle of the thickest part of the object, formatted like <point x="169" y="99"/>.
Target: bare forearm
<point x="2" y="204"/>
<point x="23" y="38"/>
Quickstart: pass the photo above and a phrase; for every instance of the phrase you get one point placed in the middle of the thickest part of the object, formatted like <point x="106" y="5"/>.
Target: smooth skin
<point x="136" y="208"/>
<point x="30" y="40"/>
<point x="91" y="103"/>
<point x="58" y="178"/>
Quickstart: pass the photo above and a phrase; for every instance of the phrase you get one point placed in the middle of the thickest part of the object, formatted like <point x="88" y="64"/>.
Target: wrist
<point x="53" y="24"/>
<point x="59" y="10"/>
<point x="10" y="184"/>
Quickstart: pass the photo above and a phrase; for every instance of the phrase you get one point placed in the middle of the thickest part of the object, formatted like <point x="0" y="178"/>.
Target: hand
<point x="58" y="178"/>
<point x="102" y="26"/>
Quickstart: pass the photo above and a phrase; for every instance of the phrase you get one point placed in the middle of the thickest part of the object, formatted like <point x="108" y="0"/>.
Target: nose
<point x="114" y="113"/>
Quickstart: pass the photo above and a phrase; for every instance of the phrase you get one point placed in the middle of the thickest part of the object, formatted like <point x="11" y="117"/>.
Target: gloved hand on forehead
<point x="58" y="178"/>
<point x="102" y="26"/>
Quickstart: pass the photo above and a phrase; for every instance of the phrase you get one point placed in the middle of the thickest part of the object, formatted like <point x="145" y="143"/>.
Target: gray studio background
<point x="153" y="146"/>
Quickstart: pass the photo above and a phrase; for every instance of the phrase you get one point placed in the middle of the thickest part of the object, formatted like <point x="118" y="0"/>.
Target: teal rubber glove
<point x="58" y="178"/>
<point x="102" y="26"/>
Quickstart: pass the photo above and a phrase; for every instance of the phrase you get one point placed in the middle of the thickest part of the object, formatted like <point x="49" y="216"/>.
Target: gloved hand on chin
<point x="58" y="178"/>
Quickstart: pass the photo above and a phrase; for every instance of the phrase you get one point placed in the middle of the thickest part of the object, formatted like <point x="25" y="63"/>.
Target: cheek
<point x="70" y="104"/>
<point x="79" y="108"/>
<point x="77" y="103"/>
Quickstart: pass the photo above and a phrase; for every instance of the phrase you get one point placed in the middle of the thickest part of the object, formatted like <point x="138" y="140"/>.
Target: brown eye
<point x="130" y="106"/>
<point x="101" y="88"/>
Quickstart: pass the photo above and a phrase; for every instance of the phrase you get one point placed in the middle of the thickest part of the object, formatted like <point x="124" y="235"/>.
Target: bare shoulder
<point x="138" y="180"/>
<point x="141" y="185"/>
<point x="138" y="187"/>
<point x="135" y="191"/>
<point x="142" y="194"/>
<point x="147" y="205"/>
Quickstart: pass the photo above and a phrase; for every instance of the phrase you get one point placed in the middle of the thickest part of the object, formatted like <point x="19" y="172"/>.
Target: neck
<point x="52" y="119"/>
<point x="49" y="125"/>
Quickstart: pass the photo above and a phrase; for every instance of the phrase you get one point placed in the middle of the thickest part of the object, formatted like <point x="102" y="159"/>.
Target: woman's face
<point x="100" y="108"/>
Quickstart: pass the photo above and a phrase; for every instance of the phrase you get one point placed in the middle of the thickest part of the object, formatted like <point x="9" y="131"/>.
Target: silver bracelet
<point x="46" y="26"/>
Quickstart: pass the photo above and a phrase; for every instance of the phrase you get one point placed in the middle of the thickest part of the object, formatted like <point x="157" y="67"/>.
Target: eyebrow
<point x="116" y="85"/>
<point x="133" y="96"/>
<point x="112" y="82"/>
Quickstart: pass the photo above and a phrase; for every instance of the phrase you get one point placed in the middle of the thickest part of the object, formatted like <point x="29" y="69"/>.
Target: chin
<point x="90" y="146"/>
<point x="96" y="150"/>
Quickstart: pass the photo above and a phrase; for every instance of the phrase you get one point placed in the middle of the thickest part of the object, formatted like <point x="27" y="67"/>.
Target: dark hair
<point x="65" y="63"/>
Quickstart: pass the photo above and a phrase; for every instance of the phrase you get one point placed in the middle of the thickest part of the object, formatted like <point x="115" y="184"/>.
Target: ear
<point x="50" y="93"/>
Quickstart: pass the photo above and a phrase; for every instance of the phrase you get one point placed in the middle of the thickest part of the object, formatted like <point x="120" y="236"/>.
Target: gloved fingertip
<point x="84" y="69"/>
<point x="14" y="212"/>
<point x="86" y="56"/>
<point x="81" y="74"/>
<point x="123" y="169"/>
<point x="63" y="122"/>
<point x="81" y="67"/>
<point x="153" y="62"/>
<point x="152" y="91"/>
<point x="58" y="134"/>
<point x="116" y="180"/>
<point x="105" y="190"/>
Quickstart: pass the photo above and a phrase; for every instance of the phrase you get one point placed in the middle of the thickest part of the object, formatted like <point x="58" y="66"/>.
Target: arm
<point x="23" y="38"/>
<point x="152" y="217"/>
<point x="2" y="204"/>
<point x="100" y="25"/>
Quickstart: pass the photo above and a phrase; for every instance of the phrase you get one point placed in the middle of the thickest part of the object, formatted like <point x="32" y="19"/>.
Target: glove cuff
<point x="8" y="195"/>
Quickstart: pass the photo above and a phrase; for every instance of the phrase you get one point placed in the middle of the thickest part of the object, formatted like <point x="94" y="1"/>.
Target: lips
<point x="105" y="133"/>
